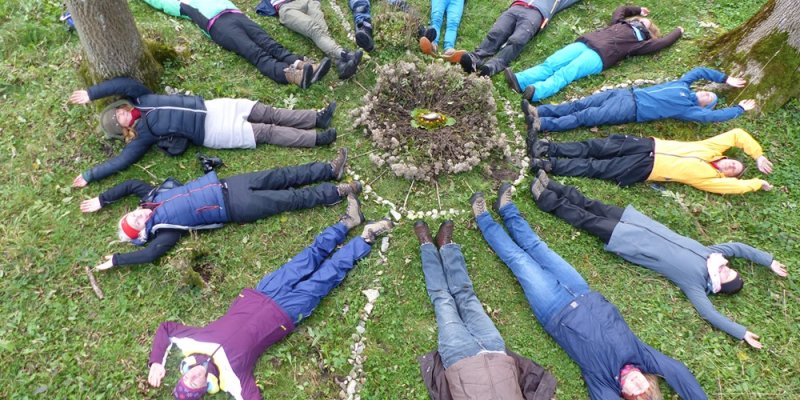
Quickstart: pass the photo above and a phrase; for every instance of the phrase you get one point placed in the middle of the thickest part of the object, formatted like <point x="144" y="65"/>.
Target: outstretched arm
<point x="731" y="185"/>
<point x="701" y="303"/>
<point x="131" y="186"/>
<point x="704" y="115"/>
<point x="121" y="86"/>
<point x="623" y="12"/>
<point x="677" y="375"/>
<point x="703" y="73"/>
<point x="131" y="153"/>
<point x="741" y="250"/>
<point x="654" y="45"/>
<point x="157" y="247"/>
<point x="735" y="138"/>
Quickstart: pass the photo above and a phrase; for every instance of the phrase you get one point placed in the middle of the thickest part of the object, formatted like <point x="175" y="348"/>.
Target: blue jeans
<point x="548" y="281"/>
<point x="361" y="11"/>
<point x="300" y="284"/>
<point x="454" y="10"/>
<point x="464" y="328"/>
<point x="560" y="69"/>
<point x="610" y="107"/>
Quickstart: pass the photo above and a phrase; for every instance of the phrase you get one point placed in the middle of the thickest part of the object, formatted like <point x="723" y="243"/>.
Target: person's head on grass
<point x="195" y="382"/>
<point x="730" y="167"/>
<point x="117" y="121"/>
<point x="131" y="226"/>
<point x="651" y="30"/>
<point x="637" y="385"/>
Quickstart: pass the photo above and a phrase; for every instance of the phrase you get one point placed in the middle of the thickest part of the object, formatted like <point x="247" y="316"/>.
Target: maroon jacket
<point x="534" y="381"/>
<point x="618" y="40"/>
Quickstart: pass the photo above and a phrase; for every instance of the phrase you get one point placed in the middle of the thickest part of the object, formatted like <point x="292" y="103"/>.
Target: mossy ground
<point x="58" y="341"/>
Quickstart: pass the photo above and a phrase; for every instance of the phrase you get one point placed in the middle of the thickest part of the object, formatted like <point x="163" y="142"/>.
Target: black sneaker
<point x="325" y="137"/>
<point x="469" y="63"/>
<point x="512" y="81"/>
<point x="346" y="66"/>
<point x="541" y="164"/>
<point x="364" y="36"/>
<point x="478" y="203"/>
<point x="527" y="94"/>
<point x="321" y="69"/>
<point x="325" y="115"/>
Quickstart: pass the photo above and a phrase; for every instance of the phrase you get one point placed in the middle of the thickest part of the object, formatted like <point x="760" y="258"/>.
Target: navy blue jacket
<point x="162" y="117"/>
<point x="677" y="100"/>
<point x="594" y="334"/>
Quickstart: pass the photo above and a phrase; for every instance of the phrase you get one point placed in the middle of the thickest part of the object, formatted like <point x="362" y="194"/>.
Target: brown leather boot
<point x="300" y="76"/>
<point x="423" y="232"/>
<point x="445" y="234"/>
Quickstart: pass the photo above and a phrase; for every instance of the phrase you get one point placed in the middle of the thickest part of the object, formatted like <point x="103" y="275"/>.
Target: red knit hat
<point x="129" y="231"/>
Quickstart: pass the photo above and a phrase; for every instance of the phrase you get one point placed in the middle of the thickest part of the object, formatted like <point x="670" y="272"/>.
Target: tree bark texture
<point x="112" y="42"/>
<point x="765" y="50"/>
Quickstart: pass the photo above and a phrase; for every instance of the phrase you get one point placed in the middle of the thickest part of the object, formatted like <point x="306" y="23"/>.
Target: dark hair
<point x="732" y="287"/>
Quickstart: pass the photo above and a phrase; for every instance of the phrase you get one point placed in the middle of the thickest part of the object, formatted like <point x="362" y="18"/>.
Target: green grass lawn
<point x="57" y="340"/>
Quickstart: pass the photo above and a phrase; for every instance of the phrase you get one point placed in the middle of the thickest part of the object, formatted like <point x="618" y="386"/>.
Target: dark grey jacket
<point x="682" y="260"/>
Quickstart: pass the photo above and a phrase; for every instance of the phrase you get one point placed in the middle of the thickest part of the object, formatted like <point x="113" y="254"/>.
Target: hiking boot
<point x="503" y="196"/>
<point x="327" y="136"/>
<point x="352" y="216"/>
<point x="541" y="164"/>
<point x="469" y="63"/>
<point x="541" y="176"/>
<point x="427" y="32"/>
<point x="540" y="148"/>
<point x="339" y="163"/>
<point x="427" y="46"/>
<point x="346" y="189"/>
<point x="453" y="56"/>
<point x="364" y="36"/>
<point x="478" y="203"/>
<point x="325" y="115"/>
<point x="537" y="188"/>
<point x="445" y="234"/>
<point x="423" y="232"/>
<point x="527" y="94"/>
<point x="531" y="114"/>
<point x="319" y="69"/>
<point x="511" y="80"/>
<point x="485" y="70"/>
<point x="348" y="64"/>
<point x="374" y="229"/>
<point x="300" y="76"/>
<point x="209" y="164"/>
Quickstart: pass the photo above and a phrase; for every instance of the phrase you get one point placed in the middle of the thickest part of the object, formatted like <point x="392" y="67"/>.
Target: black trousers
<point x="257" y="195"/>
<point x="508" y="36"/>
<point x="239" y="34"/>
<point x="569" y="204"/>
<point x="622" y="158"/>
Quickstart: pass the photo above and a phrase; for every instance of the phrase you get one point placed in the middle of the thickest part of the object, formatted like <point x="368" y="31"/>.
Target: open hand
<point x="79" y="181"/>
<point x="79" y="97"/>
<point x="748" y="104"/>
<point x="752" y="339"/>
<point x="765" y="186"/>
<point x="157" y="372"/>
<point x="764" y="165"/>
<point x="91" y="205"/>
<point x="105" y="265"/>
<point x="779" y="269"/>
<point x="645" y="11"/>
<point x="735" y="82"/>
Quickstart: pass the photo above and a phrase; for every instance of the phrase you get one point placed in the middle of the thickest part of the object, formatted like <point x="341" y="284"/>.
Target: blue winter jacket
<point x="594" y="334"/>
<point x="677" y="100"/>
<point x="643" y="241"/>
<point x="163" y="118"/>
<point x="200" y="204"/>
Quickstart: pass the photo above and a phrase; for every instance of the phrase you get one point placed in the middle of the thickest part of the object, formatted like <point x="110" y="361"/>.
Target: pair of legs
<point x="622" y="158"/>
<point x="306" y="18"/>
<point x="300" y="284"/>
<point x="464" y="328"/>
<point x="560" y="69"/>
<point x="508" y="36"/>
<point x="569" y="204"/>
<point x="282" y="127"/>
<point x="239" y="34"/>
<point x="362" y="18"/>
<point x="260" y="194"/>
<point x="454" y="10"/>
<point x="548" y="281"/>
<point x="610" y="107"/>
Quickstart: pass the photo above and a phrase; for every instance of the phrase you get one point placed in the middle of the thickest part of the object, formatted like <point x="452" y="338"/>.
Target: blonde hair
<point x="128" y="133"/>
<point x="652" y="393"/>
<point x="123" y="237"/>
<point x="655" y="33"/>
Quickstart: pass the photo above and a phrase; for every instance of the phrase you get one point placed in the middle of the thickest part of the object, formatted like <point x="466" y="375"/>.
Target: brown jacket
<point x="487" y="376"/>
<point x="618" y="40"/>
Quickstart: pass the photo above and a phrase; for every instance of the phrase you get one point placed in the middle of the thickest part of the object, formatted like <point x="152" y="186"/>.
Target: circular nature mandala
<point x="426" y="120"/>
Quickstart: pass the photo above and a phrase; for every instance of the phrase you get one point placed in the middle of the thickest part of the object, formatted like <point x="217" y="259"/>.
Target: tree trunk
<point x="112" y="42"/>
<point x="765" y="50"/>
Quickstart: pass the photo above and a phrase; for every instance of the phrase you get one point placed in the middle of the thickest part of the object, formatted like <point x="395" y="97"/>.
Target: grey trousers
<point x="278" y="126"/>
<point x="306" y="18"/>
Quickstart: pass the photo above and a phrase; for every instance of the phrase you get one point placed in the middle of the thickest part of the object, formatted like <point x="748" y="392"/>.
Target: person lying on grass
<point x="430" y="35"/>
<point x="222" y="355"/>
<point x="673" y="99"/>
<point x="698" y="270"/>
<point x="613" y="361"/>
<point x="628" y="34"/>
<point x="169" y="211"/>
<point x="472" y="361"/>
<point x="222" y="21"/>
<point x="630" y="159"/>
<point x="171" y="122"/>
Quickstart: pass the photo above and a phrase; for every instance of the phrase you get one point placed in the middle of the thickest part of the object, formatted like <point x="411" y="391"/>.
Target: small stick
<point x="362" y="154"/>
<point x="471" y="190"/>
<point x="409" y="192"/>
<point x="93" y="282"/>
<point x="379" y="177"/>
<point x="437" y="194"/>
<point x="148" y="171"/>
